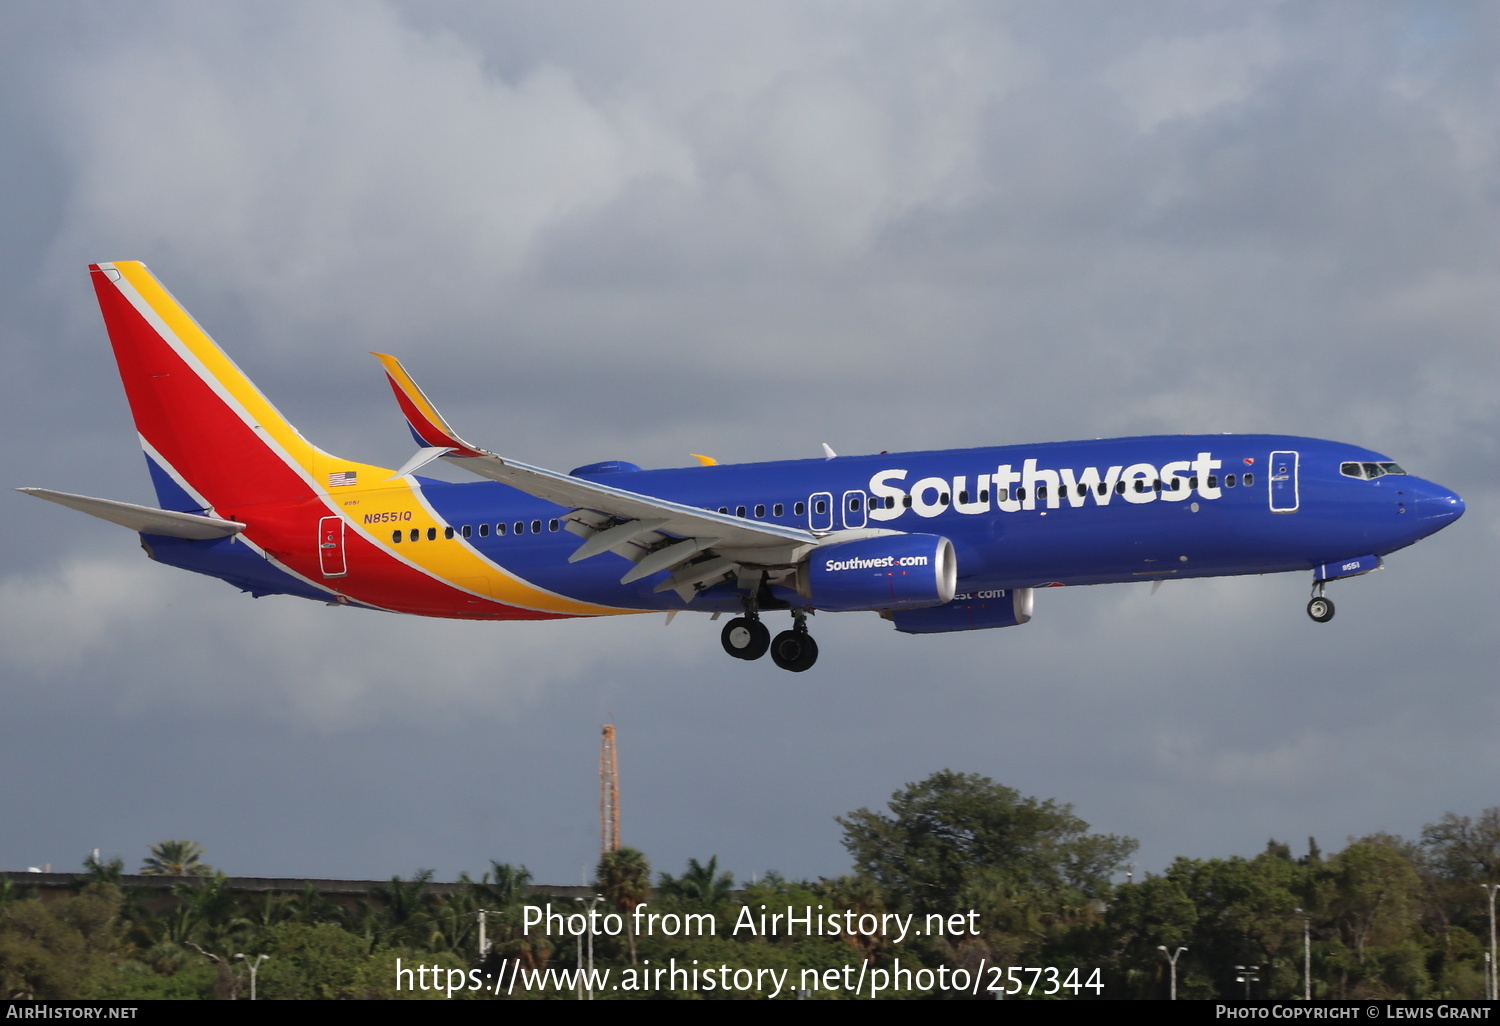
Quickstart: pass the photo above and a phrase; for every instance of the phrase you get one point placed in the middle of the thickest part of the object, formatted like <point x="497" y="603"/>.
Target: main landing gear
<point x="745" y="637"/>
<point x="1320" y="608"/>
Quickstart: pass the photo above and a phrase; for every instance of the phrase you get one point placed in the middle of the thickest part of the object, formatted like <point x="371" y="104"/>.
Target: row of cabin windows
<point x="1001" y="495"/>
<point x="821" y="505"/>
<point x="467" y="531"/>
<point x="777" y="509"/>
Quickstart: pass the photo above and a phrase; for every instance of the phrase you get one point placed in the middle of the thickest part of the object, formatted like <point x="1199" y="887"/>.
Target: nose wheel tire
<point x="794" y="650"/>
<point x="1320" y="609"/>
<point x="745" y="638"/>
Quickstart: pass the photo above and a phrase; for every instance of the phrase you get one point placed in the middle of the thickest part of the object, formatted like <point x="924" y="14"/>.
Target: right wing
<point x="699" y="547"/>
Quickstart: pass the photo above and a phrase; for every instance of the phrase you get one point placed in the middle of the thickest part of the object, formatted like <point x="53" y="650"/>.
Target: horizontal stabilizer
<point x="145" y="519"/>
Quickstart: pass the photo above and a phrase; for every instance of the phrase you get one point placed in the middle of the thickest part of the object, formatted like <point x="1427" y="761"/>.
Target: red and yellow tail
<point x="213" y="440"/>
<point x="216" y="445"/>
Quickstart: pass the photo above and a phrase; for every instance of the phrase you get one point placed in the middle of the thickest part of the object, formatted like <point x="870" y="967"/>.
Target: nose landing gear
<point x="1320" y="608"/>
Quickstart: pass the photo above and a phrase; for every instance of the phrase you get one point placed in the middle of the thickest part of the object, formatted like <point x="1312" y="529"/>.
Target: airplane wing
<point x="700" y="546"/>
<point x="145" y="519"/>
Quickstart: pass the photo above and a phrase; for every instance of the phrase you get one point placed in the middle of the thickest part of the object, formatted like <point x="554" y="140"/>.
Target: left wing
<point x="700" y="547"/>
<point x="145" y="519"/>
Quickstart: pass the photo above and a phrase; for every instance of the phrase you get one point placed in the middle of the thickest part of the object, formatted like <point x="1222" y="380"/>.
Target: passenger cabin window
<point x="484" y="530"/>
<point x="1248" y="480"/>
<point x="396" y="537"/>
<point x="820" y="506"/>
<point x="415" y="534"/>
<point x="799" y="508"/>
<point x="760" y="511"/>
<point x="1228" y="480"/>
<point x="466" y="531"/>
<point x="777" y="510"/>
<point x="536" y="527"/>
<point x="519" y="527"/>
<point x="854" y="505"/>
<point x="739" y="511"/>
<point x="447" y="532"/>
<point x="552" y="525"/>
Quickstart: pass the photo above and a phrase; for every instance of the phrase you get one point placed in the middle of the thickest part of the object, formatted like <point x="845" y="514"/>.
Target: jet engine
<point x="896" y="571"/>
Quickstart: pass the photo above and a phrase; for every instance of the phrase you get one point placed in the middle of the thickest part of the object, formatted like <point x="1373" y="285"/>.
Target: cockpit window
<point x="1369" y="471"/>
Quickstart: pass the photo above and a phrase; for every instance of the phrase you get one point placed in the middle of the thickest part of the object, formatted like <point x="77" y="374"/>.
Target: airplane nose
<point x="1438" y="507"/>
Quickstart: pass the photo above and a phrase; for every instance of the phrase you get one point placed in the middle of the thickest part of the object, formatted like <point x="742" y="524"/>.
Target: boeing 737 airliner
<point x="932" y="541"/>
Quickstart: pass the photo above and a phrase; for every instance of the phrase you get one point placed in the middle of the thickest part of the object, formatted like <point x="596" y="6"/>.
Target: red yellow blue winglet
<point x="426" y="424"/>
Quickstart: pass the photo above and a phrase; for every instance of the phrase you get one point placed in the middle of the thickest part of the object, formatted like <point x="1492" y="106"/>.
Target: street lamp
<point x="592" y="902"/>
<point x="1491" y="980"/>
<point x="254" y="968"/>
<point x="1306" y="953"/>
<point x="1247" y="976"/>
<point x="1172" y="961"/>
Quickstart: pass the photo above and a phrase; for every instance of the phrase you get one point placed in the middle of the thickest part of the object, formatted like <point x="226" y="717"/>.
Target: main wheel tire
<point x="745" y="638"/>
<point x="794" y="651"/>
<point x="1320" y="609"/>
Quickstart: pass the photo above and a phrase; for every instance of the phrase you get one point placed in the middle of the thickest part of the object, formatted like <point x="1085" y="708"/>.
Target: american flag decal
<point x="343" y="477"/>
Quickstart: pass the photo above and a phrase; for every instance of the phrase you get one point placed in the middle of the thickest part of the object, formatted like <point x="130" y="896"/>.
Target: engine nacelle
<point x="896" y="571"/>
<point x="968" y="613"/>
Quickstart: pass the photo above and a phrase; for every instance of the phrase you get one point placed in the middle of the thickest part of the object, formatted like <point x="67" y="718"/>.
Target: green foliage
<point x="1384" y="918"/>
<point x="701" y="886"/>
<point x="176" y="858"/>
<point x="954" y="831"/>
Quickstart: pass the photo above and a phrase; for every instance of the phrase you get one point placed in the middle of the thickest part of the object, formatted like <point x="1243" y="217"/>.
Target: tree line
<point x="1385" y="917"/>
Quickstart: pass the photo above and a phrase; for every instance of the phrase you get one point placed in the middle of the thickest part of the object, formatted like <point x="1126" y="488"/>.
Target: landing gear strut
<point x="1320" y="608"/>
<point x="795" y="650"/>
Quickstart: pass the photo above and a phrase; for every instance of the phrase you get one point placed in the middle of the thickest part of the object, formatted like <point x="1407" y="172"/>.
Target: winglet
<point x="707" y="461"/>
<point x="427" y="425"/>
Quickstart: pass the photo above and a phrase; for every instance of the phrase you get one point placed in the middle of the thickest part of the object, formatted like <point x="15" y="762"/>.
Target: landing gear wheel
<point x="794" y="650"/>
<point x="1320" y="609"/>
<point x="745" y="638"/>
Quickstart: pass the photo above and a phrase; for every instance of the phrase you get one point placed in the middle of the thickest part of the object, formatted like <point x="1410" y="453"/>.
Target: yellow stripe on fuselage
<point x="450" y="560"/>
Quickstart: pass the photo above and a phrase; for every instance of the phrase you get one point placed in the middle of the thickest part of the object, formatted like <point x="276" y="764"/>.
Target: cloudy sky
<point x="642" y="230"/>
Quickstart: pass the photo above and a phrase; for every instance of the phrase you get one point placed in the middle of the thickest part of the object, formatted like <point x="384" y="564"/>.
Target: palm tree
<point x="506" y="890"/>
<point x="624" y="878"/>
<point x="701" y="884"/>
<point x="176" y="858"/>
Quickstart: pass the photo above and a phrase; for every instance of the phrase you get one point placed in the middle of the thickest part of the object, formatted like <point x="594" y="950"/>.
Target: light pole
<point x="1247" y="976"/>
<point x="591" y="902"/>
<point x="1172" y="961"/>
<point x="254" y="968"/>
<point x="1491" y="980"/>
<point x="1306" y="953"/>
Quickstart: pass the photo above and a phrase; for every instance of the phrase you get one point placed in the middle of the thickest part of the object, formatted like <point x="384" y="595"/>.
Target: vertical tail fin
<point x="212" y="440"/>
